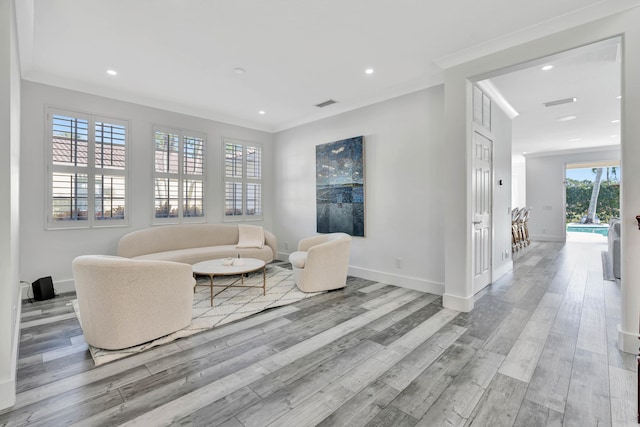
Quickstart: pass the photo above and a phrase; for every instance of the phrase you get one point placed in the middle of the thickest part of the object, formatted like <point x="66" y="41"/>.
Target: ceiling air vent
<point x="326" y="103"/>
<point x="560" y="102"/>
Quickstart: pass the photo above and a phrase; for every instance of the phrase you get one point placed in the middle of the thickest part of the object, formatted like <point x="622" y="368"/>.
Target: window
<point x="87" y="170"/>
<point x="179" y="176"/>
<point x="242" y="180"/>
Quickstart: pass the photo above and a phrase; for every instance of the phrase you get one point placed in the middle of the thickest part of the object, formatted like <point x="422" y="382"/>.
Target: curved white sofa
<point x="125" y="302"/>
<point x="321" y="262"/>
<point x="192" y="243"/>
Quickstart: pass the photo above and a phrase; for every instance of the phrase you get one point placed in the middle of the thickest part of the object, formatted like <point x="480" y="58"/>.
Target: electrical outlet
<point x="398" y="262"/>
<point x="286" y="246"/>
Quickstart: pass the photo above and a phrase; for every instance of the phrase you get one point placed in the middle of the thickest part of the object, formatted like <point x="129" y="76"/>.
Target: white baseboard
<point x="457" y="303"/>
<point x="60" y="286"/>
<point x="8" y="386"/>
<point x="501" y="271"/>
<point x="7" y="394"/>
<point x="389" y="278"/>
<point x="397" y="280"/>
<point x="627" y="341"/>
<point x="547" y="238"/>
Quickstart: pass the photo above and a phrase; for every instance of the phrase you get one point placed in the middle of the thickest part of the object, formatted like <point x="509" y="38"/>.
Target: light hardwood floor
<point x="538" y="349"/>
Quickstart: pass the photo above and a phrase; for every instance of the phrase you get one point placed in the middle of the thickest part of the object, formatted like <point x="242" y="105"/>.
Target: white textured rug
<point x="228" y="305"/>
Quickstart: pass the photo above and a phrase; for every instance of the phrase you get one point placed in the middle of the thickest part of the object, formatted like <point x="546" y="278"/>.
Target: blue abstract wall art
<point x="340" y="186"/>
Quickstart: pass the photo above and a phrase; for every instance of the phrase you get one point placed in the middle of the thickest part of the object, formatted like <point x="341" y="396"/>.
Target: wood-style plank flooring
<point x="538" y="349"/>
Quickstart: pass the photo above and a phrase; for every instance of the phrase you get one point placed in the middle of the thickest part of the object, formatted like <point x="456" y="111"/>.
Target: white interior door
<point x="482" y="197"/>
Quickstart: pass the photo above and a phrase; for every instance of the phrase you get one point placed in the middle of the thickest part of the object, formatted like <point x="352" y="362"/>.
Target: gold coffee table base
<point x="216" y="268"/>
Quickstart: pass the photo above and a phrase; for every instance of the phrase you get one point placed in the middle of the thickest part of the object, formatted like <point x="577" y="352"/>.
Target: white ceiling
<point x="180" y="55"/>
<point x="591" y="75"/>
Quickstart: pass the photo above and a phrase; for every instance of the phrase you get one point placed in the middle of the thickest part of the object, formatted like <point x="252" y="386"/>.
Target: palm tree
<point x="591" y="213"/>
<point x="614" y="173"/>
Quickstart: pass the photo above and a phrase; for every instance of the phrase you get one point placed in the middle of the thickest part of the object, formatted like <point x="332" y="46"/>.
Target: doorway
<point x="567" y="109"/>
<point x="592" y="199"/>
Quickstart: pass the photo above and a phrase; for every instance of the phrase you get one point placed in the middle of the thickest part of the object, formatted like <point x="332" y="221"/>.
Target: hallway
<point x="567" y="352"/>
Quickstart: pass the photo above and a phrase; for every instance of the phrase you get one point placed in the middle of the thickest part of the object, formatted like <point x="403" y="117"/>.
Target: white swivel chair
<point x="125" y="302"/>
<point x="321" y="262"/>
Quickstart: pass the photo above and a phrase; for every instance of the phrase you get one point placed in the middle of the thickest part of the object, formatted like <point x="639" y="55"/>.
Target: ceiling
<point x="591" y="75"/>
<point x="182" y="55"/>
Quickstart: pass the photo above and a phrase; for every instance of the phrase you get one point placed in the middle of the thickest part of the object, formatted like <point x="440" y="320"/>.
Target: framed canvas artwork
<point x="340" y="186"/>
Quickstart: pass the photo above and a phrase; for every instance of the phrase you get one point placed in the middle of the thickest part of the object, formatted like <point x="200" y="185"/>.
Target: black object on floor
<point x="43" y="289"/>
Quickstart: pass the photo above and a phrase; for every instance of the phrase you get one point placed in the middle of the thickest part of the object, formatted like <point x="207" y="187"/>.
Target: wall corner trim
<point x="458" y="303"/>
<point x="627" y="341"/>
<point x="8" y="385"/>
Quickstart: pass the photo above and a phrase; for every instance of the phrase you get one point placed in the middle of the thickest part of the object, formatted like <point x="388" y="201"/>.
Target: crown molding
<point x="582" y="16"/>
<point x="615" y="147"/>
<point x="496" y="96"/>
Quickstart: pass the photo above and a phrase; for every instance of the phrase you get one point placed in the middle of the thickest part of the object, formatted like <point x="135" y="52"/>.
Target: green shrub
<point x="579" y="193"/>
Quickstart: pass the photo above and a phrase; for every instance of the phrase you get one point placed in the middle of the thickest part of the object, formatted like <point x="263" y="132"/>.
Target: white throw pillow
<point x="251" y="236"/>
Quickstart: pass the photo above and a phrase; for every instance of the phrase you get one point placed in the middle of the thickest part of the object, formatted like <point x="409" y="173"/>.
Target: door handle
<point x="477" y="222"/>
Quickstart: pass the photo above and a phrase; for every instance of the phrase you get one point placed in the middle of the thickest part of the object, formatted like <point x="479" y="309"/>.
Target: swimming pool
<point x="602" y="229"/>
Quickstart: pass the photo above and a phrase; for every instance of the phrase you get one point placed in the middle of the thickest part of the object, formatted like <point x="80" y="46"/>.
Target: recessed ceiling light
<point x="547" y="67"/>
<point x="614" y="136"/>
<point x="369" y="71"/>
<point x="615" y="121"/>
<point x="565" y="118"/>
<point x="262" y="112"/>
<point x="239" y="70"/>
<point x="112" y="72"/>
<point x="619" y="97"/>
<point x="575" y="139"/>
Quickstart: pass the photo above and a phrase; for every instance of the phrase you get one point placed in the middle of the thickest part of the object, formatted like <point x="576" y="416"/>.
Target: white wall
<point x="519" y="181"/>
<point x="459" y="288"/>
<point x="404" y="188"/>
<point x="9" y="208"/>
<point x="50" y="252"/>
<point x="546" y="191"/>
<point x="501" y="127"/>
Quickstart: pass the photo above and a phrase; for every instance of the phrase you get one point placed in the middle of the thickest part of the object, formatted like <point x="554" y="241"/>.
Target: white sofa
<point x="125" y="302"/>
<point x="321" y="262"/>
<point x="192" y="243"/>
<point x="613" y="240"/>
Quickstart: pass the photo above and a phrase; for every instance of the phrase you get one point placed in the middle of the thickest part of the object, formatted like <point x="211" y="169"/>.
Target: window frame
<point x="181" y="176"/>
<point x="91" y="170"/>
<point x="244" y="180"/>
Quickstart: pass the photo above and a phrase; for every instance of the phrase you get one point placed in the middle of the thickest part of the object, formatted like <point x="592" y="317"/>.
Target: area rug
<point x="229" y="304"/>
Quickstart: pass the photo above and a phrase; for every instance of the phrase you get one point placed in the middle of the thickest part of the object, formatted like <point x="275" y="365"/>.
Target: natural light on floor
<point x="581" y="237"/>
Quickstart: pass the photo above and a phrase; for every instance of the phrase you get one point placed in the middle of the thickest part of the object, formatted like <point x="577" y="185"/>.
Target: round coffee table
<point x="241" y="266"/>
